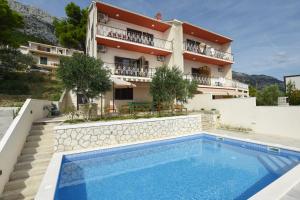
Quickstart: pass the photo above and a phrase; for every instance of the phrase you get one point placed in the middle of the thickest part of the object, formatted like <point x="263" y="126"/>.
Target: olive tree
<point x="169" y="85"/>
<point x="84" y="75"/>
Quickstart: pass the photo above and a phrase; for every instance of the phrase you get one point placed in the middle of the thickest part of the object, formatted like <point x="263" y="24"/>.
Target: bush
<point x="294" y="98"/>
<point x="268" y="96"/>
<point x="14" y="88"/>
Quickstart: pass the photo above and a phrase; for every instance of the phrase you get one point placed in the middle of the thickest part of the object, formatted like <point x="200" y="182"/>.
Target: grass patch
<point x="16" y="87"/>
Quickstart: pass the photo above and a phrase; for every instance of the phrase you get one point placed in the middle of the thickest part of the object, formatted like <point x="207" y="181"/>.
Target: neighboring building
<point x="46" y="56"/>
<point x="132" y="46"/>
<point x="294" y="79"/>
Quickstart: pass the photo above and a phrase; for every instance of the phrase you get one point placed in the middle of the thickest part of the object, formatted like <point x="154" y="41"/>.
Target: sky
<point x="266" y="33"/>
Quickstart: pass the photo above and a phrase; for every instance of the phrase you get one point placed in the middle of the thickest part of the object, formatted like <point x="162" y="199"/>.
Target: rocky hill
<point x="38" y="23"/>
<point x="259" y="81"/>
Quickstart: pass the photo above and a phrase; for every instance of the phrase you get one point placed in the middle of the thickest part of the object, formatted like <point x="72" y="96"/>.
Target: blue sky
<point x="266" y="33"/>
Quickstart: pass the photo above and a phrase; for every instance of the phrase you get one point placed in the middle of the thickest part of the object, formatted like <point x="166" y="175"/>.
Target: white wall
<point x="13" y="140"/>
<point x="271" y="120"/>
<point x="293" y="79"/>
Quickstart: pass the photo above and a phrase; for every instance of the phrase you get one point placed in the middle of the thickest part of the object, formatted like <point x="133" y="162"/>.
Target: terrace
<point x="202" y="51"/>
<point x="51" y="50"/>
<point x="216" y="81"/>
<point x="121" y="69"/>
<point x="132" y="40"/>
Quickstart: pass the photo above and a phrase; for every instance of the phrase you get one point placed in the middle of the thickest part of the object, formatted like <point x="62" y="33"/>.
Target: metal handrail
<point x="216" y="81"/>
<point x="208" y="51"/>
<point x="130" y="70"/>
<point x="108" y="31"/>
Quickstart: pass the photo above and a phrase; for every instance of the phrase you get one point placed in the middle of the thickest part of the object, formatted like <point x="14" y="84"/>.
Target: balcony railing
<point x="216" y="81"/>
<point x="129" y="36"/>
<point x="55" y="50"/>
<point x="130" y="70"/>
<point x="208" y="51"/>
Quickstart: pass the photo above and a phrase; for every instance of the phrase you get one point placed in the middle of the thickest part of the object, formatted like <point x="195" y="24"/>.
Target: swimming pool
<point x="201" y="166"/>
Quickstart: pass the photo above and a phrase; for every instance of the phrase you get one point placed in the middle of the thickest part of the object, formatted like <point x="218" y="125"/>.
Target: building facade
<point x="132" y="46"/>
<point x="46" y="56"/>
<point x="295" y="79"/>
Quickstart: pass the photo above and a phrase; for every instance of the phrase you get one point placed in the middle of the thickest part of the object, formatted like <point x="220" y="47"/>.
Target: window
<point x="43" y="60"/>
<point x="128" y="62"/>
<point x="220" y="69"/>
<point x="124" y="93"/>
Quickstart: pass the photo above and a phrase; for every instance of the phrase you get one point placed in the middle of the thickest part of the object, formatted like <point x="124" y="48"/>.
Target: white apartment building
<point x="132" y="46"/>
<point x="295" y="79"/>
<point x="46" y="56"/>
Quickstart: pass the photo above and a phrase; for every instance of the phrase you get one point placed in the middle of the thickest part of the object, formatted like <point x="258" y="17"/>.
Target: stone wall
<point x="100" y="134"/>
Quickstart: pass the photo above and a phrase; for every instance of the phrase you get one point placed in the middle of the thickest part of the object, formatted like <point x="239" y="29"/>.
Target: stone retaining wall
<point x="100" y="134"/>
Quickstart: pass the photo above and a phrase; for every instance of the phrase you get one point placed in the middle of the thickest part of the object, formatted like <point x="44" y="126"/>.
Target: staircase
<point x="32" y="163"/>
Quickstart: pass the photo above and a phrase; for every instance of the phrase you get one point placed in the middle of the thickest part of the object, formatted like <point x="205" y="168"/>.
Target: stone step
<point x="40" y="132"/>
<point x="22" y="183"/>
<point x="21" y="174"/>
<point x="24" y="193"/>
<point x="39" y="143"/>
<point x="31" y="164"/>
<point x="33" y="150"/>
<point x="36" y="156"/>
<point x="39" y="137"/>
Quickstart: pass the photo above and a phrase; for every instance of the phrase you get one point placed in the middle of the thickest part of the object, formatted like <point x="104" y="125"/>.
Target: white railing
<point x="216" y="81"/>
<point x="130" y="70"/>
<point x="55" y="50"/>
<point x="130" y="36"/>
<point x="208" y="51"/>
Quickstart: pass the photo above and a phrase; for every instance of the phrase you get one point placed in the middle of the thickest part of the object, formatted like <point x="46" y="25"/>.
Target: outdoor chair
<point x="179" y="108"/>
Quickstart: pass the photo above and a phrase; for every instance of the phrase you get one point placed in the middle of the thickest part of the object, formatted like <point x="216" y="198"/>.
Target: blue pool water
<point x="194" y="167"/>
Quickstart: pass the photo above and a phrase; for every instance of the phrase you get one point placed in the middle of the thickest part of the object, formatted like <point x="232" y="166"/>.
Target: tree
<point x="188" y="91"/>
<point x="169" y="85"/>
<point x="9" y="21"/>
<point x="268" y="96"/>
<point x="71" y="32"/>
<point x="252" y="91"/>
<point x="12" y="59"/>
<point x="293" y="94"/>
<point x="85" y="75"/>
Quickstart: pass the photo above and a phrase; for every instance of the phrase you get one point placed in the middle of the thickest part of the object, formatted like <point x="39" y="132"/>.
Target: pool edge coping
<point x="276" y="189"/>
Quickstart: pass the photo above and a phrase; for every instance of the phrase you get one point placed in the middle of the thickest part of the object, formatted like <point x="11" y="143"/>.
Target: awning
<point x="217" y="91"/>
<point x="121" y="83"/>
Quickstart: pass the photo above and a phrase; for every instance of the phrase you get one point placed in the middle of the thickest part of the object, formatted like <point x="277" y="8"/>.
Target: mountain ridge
<point x="258" y="81"/>
<point x="37" y="22"/>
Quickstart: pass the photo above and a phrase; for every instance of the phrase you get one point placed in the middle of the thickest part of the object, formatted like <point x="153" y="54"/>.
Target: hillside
<point x="258" y="81"/>
<point x="38" y="24"/>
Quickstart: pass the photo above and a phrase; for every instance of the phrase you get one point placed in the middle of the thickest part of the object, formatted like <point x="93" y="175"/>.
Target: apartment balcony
<point x="206" y="54"/>
<point x="123" y="39"/>
<point x="49" y="65"/>
<point x="217" y="82"/>
<point x="130" y="72"/>
<point x="51" y="50"/>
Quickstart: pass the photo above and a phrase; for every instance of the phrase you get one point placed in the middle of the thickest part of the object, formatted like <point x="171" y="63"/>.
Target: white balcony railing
<point x="208" y="51"/>
<point x="216" y="81"/>
<point x="130" y="70"/>
<point x="129" y="36"/>
<point x="148" y="72"/>
<point x="54" y="50"/>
